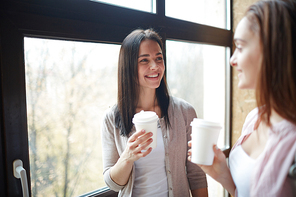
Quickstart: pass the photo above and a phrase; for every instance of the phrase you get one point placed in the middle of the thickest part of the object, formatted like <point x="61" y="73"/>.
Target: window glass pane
<point x="69" y="85"/>
<point x="196" y="73"/>
<point x="212" y="13"/>
<point x="142" y="5"/>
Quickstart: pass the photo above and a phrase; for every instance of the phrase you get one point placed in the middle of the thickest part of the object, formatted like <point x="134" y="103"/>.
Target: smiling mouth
<point x="152" y="76"/>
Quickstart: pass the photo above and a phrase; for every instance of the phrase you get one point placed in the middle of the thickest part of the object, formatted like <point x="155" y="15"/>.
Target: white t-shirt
<point x="241" y="167"/>
<point x="150" y="174"/>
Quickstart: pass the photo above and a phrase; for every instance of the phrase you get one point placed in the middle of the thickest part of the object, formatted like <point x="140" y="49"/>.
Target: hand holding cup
<point x="204" y="135"/>
<point x="136" y="143"/>
<point x="218" y="167"/>
<point x="147" y="120"/>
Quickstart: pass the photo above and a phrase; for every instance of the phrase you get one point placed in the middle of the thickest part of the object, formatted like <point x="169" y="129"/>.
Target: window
<point x="41" y="82"/>
<point x="193" y="74"/>
<point x="143" y="5"/>
<point x="205" y="12"/>
<point x="78" y="82"/>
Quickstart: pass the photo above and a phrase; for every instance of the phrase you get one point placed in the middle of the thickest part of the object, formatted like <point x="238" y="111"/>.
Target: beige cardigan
<point x="182" y="175"/>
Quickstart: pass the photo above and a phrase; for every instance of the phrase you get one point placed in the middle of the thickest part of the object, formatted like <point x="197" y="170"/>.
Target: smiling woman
<point x="264" y="58"/>
<point x="128" y="167"/>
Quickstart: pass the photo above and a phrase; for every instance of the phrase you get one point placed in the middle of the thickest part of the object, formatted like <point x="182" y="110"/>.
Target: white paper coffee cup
<point x="204" y="135"/>
<point x="147" y="120"/>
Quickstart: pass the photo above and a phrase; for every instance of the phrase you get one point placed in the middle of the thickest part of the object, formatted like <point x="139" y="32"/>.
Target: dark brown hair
<point x="128" y="82"/>
<point x="275" y="21"/>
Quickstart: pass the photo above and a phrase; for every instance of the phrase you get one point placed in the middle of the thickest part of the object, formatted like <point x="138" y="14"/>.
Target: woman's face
<point x="247" y="57"/>
<point x="150" y="64"/>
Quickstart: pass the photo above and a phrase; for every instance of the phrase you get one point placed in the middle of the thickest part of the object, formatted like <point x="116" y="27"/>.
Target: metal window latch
<point x="292" y="170"/>
<point x="20" y="173"/>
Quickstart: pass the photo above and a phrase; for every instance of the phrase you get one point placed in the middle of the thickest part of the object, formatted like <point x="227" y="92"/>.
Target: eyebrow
<point x="238" y="39"/>
<point x="147" y="55"/>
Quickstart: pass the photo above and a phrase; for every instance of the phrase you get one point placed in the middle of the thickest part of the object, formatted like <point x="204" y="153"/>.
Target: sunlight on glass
<point x="212" y="13"/>
<point x="69" y="85"/>
<point x="142" y="5"/>
<point x="196" y="73"/>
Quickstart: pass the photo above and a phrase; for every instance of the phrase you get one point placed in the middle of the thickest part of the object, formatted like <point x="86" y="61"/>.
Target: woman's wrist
<point x="120" y="172"/>
<point x="125" y="160"/>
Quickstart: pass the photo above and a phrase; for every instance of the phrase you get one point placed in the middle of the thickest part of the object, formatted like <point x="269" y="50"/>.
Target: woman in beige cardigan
<point x="163" y="171"/>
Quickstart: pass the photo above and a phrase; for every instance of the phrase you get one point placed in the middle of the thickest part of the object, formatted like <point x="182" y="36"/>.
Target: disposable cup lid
<point x="204" y="123"/>
<point x="145" y="117"/>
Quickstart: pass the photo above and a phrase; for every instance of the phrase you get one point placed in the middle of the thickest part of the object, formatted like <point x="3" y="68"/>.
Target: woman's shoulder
<point x="108" y="121"/>
<point x="252" y="115"/>
<point x="250" y="121"/>
<point x="179" y="106"/>
<point x="179" y="102"/>
<point x="285" y="128"/>
<point x="109" y="114"/>
<point x="248" y="126"/>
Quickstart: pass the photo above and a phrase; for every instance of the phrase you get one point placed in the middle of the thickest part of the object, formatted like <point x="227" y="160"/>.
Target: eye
<point x="159" y="58"/>
<point x="144" y="60"/>
<point x="239" y="49"/>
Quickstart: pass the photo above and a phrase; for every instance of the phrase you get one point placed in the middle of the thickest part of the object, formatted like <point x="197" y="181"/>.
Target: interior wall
<point x="243" y="101"/>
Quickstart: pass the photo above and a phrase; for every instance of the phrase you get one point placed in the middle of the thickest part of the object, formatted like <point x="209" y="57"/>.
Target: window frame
<point x="76" y="20"/>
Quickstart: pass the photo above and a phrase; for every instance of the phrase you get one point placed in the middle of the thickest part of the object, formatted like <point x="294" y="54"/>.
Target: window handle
<point x="20" y="173"/>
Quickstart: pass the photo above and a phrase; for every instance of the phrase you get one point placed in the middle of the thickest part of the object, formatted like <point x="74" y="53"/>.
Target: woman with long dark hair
<point x="128" y="167"/>
<point x="265" y="58"/>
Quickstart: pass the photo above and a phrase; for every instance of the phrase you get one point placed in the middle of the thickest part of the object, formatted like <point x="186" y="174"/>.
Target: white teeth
<point x="152" y="75"/>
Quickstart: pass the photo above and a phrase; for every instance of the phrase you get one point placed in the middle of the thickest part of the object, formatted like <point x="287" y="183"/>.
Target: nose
<point x="153" y="65"/>
<point x="233" y="59"/>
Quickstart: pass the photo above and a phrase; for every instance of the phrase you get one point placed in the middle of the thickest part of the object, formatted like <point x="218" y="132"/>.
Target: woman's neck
<point x="148" y="102"/>
<point x="275" y="117"/>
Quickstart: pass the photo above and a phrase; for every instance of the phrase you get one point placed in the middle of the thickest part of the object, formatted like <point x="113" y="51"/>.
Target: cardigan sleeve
<point x="109" y="149"/>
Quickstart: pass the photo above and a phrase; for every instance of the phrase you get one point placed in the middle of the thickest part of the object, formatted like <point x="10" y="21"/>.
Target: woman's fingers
<point x="144" y="145"/>
<point x="189" y="158"/>
<point x="218" y="167"/>
<point x="138" y="138"/>
<point x="189" y="152"/>
<point x="218" y="153"/>
<point x="189" y="143"/>
<point x="135" y="136"/>
<point x="139" y="141"/>
<point x="144" y="154"/>
<point x="136" y="143"/>
<point x="215" y="148"/>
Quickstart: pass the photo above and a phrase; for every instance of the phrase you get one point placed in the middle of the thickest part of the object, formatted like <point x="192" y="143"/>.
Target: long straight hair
<point x="128" y="81"/>
<point x="275" y="21"/>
